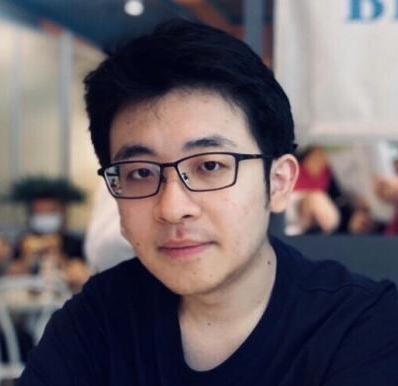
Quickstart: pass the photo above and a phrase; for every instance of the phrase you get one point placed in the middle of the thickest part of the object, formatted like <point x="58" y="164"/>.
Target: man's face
<point x="193" y="242"/>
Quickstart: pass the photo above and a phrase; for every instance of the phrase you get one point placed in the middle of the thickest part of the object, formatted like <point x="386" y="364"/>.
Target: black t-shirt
<point x="323" y="326"/>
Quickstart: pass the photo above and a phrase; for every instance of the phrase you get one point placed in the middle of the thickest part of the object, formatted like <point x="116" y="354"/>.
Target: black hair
<point x="180" y="54"/>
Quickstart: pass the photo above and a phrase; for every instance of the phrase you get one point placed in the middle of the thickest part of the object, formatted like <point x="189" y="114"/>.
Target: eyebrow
<point x="213" y="141"/>
<point x="130" y="151"/>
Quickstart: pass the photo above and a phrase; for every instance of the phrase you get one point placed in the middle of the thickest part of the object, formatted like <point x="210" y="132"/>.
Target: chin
<point x="189" y="287"/>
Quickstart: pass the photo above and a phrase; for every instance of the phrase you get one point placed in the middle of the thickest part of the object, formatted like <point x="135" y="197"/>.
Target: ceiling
<point x="104" y="22"/>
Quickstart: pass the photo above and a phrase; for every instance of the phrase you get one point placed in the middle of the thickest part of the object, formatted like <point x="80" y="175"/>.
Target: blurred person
<point x="47" y="245"/>
<point x="195" y="139"/>
<point x="5" y="254"/>
<point x="387" y="190"/>
<point x="319" y="205"/>
<point x="312" y="207"/>
<point x="104" y="244"/>
<point x="361" y="220"/>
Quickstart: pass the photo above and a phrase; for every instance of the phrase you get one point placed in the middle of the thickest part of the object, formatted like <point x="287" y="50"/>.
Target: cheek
<point x="135" y="223"/>
<point x="244" y="217"/>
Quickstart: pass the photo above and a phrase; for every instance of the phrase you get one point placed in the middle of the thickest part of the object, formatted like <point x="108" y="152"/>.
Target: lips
<point x="184" y="249"/>
<point x="181" y="244"/>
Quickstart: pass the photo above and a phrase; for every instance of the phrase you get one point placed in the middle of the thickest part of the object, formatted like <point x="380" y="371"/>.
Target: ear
<point x="283" y="177"/>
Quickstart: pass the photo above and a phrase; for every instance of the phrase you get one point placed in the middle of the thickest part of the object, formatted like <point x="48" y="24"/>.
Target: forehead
<point x="166" y="125"/>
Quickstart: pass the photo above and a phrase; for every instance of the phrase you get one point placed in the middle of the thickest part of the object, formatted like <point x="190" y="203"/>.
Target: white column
<point x="16" y="105"/>
<point x="65" y="100"/>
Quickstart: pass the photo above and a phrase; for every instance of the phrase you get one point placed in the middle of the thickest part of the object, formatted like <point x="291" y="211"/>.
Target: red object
<point x="307" y="181"/>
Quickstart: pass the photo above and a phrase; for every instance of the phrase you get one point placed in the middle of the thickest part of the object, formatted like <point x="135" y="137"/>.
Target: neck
<point x="243" y="296"/>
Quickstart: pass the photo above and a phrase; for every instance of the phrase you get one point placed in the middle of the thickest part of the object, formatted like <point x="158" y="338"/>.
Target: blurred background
<point x="337" y="63"/>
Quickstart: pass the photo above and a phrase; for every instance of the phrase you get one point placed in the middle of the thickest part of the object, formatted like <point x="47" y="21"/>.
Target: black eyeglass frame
<point x="238" y="157"/>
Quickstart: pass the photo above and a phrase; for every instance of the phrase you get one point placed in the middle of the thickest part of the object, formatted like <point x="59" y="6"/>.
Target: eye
<point x="139" y="174"/>
<point x="211" y="166"/>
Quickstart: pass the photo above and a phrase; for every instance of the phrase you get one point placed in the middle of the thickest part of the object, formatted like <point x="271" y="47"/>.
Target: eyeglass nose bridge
<point x="184" y="178"/>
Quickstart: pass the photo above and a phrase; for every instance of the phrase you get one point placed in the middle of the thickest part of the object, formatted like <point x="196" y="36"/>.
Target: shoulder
<point x="329" y="284"/>
<point x="347" y="321"/>
<point x="322" y="275"/>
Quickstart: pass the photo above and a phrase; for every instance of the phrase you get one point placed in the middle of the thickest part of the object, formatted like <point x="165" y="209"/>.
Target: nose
<point x="175" y="202"/>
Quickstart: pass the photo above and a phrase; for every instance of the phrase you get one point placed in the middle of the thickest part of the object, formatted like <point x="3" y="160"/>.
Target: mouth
<point x="184" y="250"/>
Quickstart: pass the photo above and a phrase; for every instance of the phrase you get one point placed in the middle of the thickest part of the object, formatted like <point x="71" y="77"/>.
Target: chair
<point x="11" y="369"/>
<point x="34" y="297"/>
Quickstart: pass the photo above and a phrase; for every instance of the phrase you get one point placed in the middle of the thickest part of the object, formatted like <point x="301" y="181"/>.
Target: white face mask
<point x="46" y="223"/>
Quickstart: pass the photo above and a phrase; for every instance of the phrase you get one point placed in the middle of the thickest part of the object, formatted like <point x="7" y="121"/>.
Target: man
<point x="195" y="138"/>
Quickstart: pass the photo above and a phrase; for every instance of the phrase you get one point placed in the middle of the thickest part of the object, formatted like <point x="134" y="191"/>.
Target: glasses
<point x="199" y="173"/>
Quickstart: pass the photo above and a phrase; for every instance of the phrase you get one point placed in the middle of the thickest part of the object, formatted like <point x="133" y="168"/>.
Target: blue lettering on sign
<point x="375" y="10"/>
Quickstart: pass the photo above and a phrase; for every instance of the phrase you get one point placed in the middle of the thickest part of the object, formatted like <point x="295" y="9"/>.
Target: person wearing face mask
<point x="47" y="245"/>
